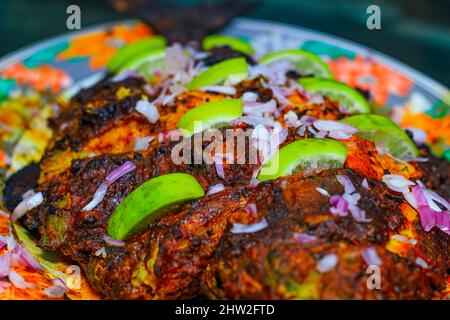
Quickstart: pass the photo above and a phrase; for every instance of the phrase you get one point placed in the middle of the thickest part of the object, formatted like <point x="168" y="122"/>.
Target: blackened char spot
<point x="19" y="183"/>
<point x="220" y="54"/>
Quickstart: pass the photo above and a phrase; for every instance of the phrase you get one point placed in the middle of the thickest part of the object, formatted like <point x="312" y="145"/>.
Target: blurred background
<point x="416" y="32"/>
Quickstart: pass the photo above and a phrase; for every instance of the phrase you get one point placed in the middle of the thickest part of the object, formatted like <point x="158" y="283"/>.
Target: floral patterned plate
<point x="34" y="78"/>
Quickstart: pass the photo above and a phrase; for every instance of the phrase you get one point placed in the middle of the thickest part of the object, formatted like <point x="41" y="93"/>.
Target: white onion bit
<point x="26" y="205"/>
<point x="327" y="263"/>
<point x="148" y="109"/>
<point x="249" y="228"/>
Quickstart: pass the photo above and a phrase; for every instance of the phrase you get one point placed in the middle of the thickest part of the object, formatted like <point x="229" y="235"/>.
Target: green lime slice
<point x="307" y="63"/>
<point x="234" y="70"/>
<point x="147" y="62"/>
<point x="217" y="40"/>
<point x="148" y="202"/>
<point x="128" y="51"/>
<point x="385" y="134"/>
<point x="349" y="99"/>
<point x="210" y="115"/>
<point x="304" y="155"/>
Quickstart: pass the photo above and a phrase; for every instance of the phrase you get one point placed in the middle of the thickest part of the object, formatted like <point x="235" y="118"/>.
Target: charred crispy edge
<point x="20" y="182"/>
<point x="106" y="85"/>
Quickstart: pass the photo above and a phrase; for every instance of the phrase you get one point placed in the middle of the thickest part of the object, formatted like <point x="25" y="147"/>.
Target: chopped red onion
<point x="418" y="135"/>
<point x="365" y="184"/>
<point x="339" y="206"/>
<point x="290" y="117"/>
<point x="249" y="97"/>
<point x="249" y="228"/>
<point x="429" y="217"/>
<point x="323" y="192"/>
<point x="100" y="193"/>
<point x="422" y="263"/>
<point x="335" y="129"/>
<point x="255" y="108"/>
<point x="148" y="109"/>
<point x="26" y="205"/>
<point x="11" y="242"/>
<point x="142" y="143"/>
<point x="101" y="252"/>
<point x="327" y="263"/>
<point x="218" y="161"/>
<point x="404" y="239"/>
<point x="18" y="281"/>
<point x="228" y="90"/>
<point x="397" y="182"/>
<point x="433" y="197"/>
<point x="27" y="259"/>
<point x="304" y="238"/>
<point x="5" y="284"/>
<point x="215" y="189"/>
<point x="371" y="257"/>
<point x="5" y="265"/>
<point x="346" y="183"/>
<point x="28" y="194"/>
<point x="251" y="208"/>
<point x="113" y="242"/>
<point x="253" y="121"/>
<point x="358" y="214"/>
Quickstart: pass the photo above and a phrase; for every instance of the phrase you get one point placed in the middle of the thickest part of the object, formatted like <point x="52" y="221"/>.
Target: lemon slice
<point x="210" y="115"/>
<point x="232" y="70"/>
<point x="217" y="40"/>
<point x="129" y="51"/>
<point x="147" y="63"/>
<point x="349" y="99"/>
<point x="306" y="63"/>
<point x="146" y="203"/>
<point x="385" y="134"/>
<point x="303" y="156"/>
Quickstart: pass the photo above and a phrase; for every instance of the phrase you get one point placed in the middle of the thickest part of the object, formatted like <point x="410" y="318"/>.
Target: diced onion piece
<point x="215" y="189"/>
<point x="371" y="257"/>
<point x="397" y="182"/>
<point x="323" y="191"/>
<point x="118" y="172"/>
<point x="327" y="263"/>
<point x="148" y="109"/>
<point x="113" y="242"/>
<point x="18" y="281"/>
<point x="256" y="108"/>
<point x="228" y="90"/>
<point x="304" y="238"/>
<point x="249" y="228"/>
<point x="142" y="143"/>
<point x="26" y="205"/>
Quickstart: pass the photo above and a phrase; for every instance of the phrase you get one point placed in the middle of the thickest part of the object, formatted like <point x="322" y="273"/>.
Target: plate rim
<point x="433" y="86"/>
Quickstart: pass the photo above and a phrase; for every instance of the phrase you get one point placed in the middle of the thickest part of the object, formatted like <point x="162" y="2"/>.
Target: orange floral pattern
<point x="371" y="75"/>
<point x="100" y="46"/>
<point x="41" y="78"/>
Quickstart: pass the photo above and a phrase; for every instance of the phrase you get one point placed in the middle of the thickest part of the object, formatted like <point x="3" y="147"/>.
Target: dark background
<point x="416" y="32"/>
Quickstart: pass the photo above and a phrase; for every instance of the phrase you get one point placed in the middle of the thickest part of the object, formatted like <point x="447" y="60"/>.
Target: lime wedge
<point x="307" y="63"/>
<point x="385" y="134"/>
<point x="217" y="40"/>
<point x="233" y="70"/>
<point x="148" y="202"/>
<point x="349" y="99"/>
<point x="128" y="51"/>
<point x="210" y="115"/>
<point x="304" y="155"/>
<point x="147" y="62"/>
